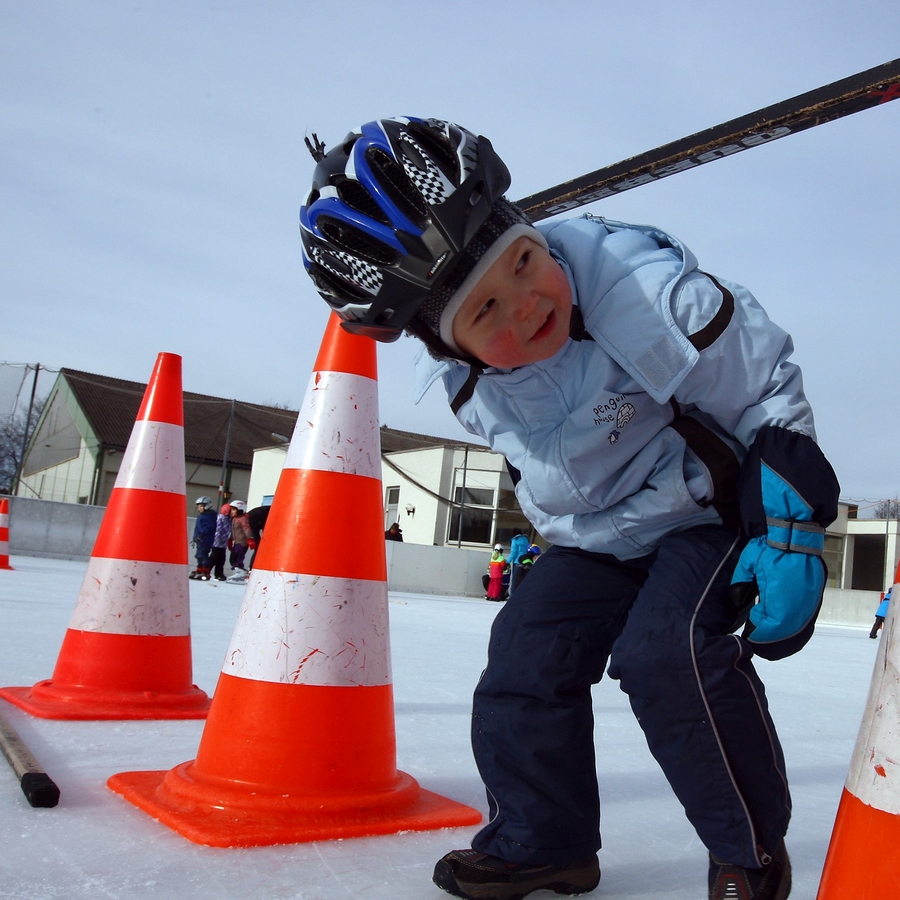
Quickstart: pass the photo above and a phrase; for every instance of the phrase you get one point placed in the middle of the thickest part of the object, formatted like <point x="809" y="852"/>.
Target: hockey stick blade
<point x="36" y="784"/>
<point x="825" y="104"/>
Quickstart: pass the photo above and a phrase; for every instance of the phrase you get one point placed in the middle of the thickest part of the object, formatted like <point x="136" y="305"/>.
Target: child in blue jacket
<point x="204" y="532"/>
<point x="660" y="441"/>
<point x="881" y="614"/>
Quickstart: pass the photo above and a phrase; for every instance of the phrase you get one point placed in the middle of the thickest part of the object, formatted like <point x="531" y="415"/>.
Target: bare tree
<point x="887" y="509"/>
<point x="12" y="442"/>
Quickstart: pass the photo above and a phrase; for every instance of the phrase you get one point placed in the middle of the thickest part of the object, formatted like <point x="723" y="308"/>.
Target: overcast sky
<point x="152" y="167"/>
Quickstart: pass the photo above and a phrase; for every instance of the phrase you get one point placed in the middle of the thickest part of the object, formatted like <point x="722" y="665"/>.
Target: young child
<point x="220" y="542"/>
<point x="661" y="443"/>
<point x="204" y="532"/>
<point x="240" y="540"/>
<point x="881" y="614"/>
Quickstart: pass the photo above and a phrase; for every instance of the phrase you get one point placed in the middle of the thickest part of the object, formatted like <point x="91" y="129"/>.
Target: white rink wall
<point x="49" y="529"/>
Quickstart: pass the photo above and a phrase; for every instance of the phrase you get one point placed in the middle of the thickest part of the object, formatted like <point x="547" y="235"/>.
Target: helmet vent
<point x="333" y="285"/>
<point x="358" y="198"/>
<point x="398" y="187"/>
<point x="351" y="239"/>
<point x="437" y="145"/>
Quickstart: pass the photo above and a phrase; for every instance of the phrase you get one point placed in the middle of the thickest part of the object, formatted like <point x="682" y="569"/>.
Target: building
<point x="443" y="493"/>
<point x="432" y="486"/>
<point x="76" y="449"/>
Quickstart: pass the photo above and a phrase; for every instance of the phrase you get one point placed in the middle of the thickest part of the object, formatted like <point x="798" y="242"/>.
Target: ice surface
<point x="96" y="845"/>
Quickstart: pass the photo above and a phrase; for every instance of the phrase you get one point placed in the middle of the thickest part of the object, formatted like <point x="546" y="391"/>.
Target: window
<point x="477" y="516"/>
<point x="391" y="505"/>
<point x="834" y="558"/>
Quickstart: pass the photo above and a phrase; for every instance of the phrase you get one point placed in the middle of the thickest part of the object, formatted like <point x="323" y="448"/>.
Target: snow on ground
<point x="96" y="845"/>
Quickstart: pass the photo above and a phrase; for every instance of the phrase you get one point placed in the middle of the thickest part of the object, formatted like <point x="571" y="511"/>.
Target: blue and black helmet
<point x="392" y="209"/>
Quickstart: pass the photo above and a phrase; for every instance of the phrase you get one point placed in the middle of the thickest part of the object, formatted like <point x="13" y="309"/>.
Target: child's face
<point x="519" y="312"/>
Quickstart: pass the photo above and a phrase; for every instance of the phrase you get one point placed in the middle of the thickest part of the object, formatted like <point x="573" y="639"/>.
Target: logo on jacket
<point x="625" y="414"/>
<point x="616" y="411"/>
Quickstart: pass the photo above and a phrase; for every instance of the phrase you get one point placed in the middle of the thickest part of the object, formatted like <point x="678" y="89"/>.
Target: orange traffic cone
<point x="861" y="863"/>
<point x="299" y="744"/>
<point x="127" y="651"/>
<point x="4" y="534"/>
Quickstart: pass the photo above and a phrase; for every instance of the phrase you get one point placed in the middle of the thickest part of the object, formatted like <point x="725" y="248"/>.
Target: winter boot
<point x="477" y="876"/>
<point x="771" y="882"/>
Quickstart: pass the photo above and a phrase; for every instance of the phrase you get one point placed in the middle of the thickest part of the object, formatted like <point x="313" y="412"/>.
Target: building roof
<point x="393" y="440"/>
<point x="111" y="406"/>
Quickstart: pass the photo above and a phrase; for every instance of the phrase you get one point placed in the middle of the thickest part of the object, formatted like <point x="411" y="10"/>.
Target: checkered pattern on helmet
<point x="362" y="273"/>
<point x="432" y="184"/>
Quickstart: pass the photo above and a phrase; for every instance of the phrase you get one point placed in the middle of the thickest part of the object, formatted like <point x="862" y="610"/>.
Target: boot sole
<point x="445" y="879"/>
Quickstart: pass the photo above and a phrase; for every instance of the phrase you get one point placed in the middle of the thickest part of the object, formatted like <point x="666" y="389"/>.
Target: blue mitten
<point x="788" y="494"/>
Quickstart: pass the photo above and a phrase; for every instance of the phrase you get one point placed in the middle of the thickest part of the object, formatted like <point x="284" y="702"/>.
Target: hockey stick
<point x="36" y="784"/>
<point x="833" y="101"/>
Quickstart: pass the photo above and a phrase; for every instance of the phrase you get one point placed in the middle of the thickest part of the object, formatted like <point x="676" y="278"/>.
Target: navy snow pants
<point x="663" y="622"/>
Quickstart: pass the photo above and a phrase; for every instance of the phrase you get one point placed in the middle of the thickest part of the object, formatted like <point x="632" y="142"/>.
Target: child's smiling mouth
<point x="546" y="328"/>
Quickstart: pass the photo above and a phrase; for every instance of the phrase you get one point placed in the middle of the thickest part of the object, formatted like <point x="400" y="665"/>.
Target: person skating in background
<point x="240" y="541"/>
<point x="496" y="568"/>
<point x="204" y="533"/>
<point x="394" y="533"/>
<point x="220" y="543"/>
<point x="517" y="546"/>
<point x="881" y="614"/>
<point x="525" y="564"/>
<point x="257" y="517"/>
<point x="659" y="440"/>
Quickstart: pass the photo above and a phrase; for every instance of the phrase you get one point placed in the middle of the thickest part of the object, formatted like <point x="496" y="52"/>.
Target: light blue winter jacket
<point x="639" y="431"/>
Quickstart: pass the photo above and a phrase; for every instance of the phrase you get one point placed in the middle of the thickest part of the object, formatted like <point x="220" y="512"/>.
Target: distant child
<point x="220" y="543"/>
<point x="204" y="532"/>
<point x="496" y="568"/>
<point x="661" y="443"/>
<point x="881" y="614"/>
<point x="257" y="518"/>
<point x="525" y="564"/>
<point x="517" y="546"/>
<point x="240" y="540"/>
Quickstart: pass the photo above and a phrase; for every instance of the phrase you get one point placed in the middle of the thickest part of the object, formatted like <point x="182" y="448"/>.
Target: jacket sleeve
<point x="743" y="376"/>
<point x="787" y="491"/>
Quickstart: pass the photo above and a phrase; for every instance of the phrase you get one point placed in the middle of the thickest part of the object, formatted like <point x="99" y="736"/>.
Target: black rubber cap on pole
<point x="40" y="789"/>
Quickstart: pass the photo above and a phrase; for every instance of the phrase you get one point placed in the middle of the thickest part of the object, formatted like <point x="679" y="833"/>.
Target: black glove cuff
<point x="797" y="460"/>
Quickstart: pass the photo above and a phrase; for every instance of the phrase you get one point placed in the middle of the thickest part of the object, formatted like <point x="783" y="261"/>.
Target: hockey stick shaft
<point x="36" y="784"/>
<point x="825" y="104"/>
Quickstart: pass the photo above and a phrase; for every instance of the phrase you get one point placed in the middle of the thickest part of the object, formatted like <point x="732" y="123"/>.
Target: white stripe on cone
<point x="874" y="776"/>
<point x="154" y="458"/>
<point x="337" y="427"/>
<point x="120" y="596"/>
<point x="4" y="534"/>
<point x="311" y="629"/>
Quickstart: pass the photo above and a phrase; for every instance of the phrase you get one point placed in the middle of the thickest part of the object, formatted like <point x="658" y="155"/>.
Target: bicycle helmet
<point x="239" y="505"/>
<point x="392" y="210"/>
<point x="203" y="501"/>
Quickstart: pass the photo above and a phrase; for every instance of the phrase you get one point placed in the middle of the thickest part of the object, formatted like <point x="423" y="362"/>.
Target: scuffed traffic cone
<point x="127" y="651"/>
<point x="4" y="534"/>
<point x="299" y="744"/>
<point x="861" y="864"/>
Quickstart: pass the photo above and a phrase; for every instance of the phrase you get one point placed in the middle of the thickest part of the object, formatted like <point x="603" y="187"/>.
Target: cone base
<point x="220" y="814"/>
<point x="49" y="700"/>
<point x="861" y="863"/>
